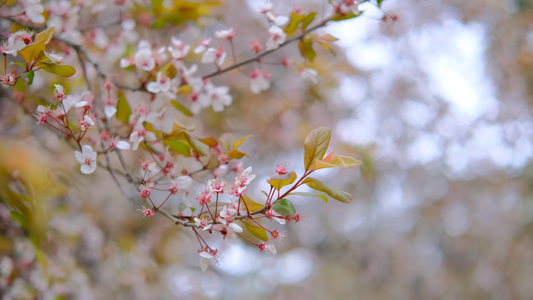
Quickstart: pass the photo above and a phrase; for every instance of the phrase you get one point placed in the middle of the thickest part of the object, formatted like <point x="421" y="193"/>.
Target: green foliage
<point x="305" y="45"/>
<point x="336" y="194"/>
<point x="181" y="108"/>
<point x="280" y="183"/>
<point x="307" y="20"/>
<point x="252" y="205"/>
<point x="336" y="161"/>
<point x="316" y="143"/>
<point x="61" y="70"/>
<point x="306" y="194"/>
<point x="33" y="52"/>
<point x="184" y="206"/>
<point x="284" y="207"/>
<point x="255" y="229"/>
<point x="196" y="144"/>
<point x="123" y="109"/>
<point x="29" y="76"/>
<point x="177" y="147"/>
<point x="347" y="16"/>
<point x="45" y="36"/>
<point x="294" y="21"/>
<point x="179" y="12"/>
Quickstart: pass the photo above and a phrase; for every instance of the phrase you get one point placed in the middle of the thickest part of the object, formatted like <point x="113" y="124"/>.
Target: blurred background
<point x="432" y="96"/>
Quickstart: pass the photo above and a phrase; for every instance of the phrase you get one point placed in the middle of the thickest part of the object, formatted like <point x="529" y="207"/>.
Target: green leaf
<point x="379" y="2"/>
<point x="280" y="183"/>
<point x="307" y="20"/>
<point x="256" y="230"/>
<point x="184" y="206"/>
<point x="61" y="70"/>
<point x="337" y="194"/>
<point x="198" y="146"/>
<point x="305" y="194"/>
<point x="123" y="109"/>
<point x="29" y="75"/>
<point x="183" y="90"/>
<point x="227" y="140"/>
<point x="181" y="108"/>
<point x="177" y="147"/>
<point x="252" y="205"/>
<point x="239" y="142"/>
<point x="176" y="128"/>
<point x="295" y="20"/>
<point x="316" y="144"/>
<point x="336" y="161"/>
<point x="45" y="36"/>
<point x="236" y="154"/>
<point x="18" y="64"/>
<point x="327" y="47"/>
<point x="209" y="141"/>
<point x="151" y="128"/>
<point x="19" y="218"/>
<point x="347" y="16"/>
<point x="327" y="38"/>
<point x="284" y="207"/>
<point x="33" y="52"/>
<point x="305" y="45"/>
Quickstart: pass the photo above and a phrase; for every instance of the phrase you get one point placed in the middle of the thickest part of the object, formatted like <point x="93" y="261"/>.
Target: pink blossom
<point x="85" y="123"/>
<point x="207" y="255"/>
<point x="227" y="213"/>
<point x="34" y="11"/>
<point x="259" y="81"/>
<point x="53" y="57"/>
<point x="352" y="5"/>
<point x="276" y="37"/>
<point x="205" y="197"/>
<point x="144" y="59"/>
<point x="201" y="223"/>
<point x="145" y="192"/>
<point x="276" y="20"/>
<point x="268" y="248"/>
<point x="203" y="46"/>
<point x="218" y="96"/>
<point x="197" y="101"/>
<point x="217" y="186"/>
<point x="116" y="143"/>
<point x="59" y="92"/>
<point x="265" y="7"/>
<point x="8" y="79"/>
<point x="256" y="46"/>
<point x="162" y="84"/>
<point x="110" y="111"/>
<point x="273" y="215"/>
<point x="226" y="34"/>
<point x="276" y="234"/>
<point x="281" y="169"/>
<point x="214" y="55"/>
<point x="178" y="50"/>
<point x="137" y="137"/>
<point x="180" y="183"/>
<point x="147" y="212"/>
<point x="310" y="75"/>
<point x="42" y="114"/>
<point x="241" y="181"/>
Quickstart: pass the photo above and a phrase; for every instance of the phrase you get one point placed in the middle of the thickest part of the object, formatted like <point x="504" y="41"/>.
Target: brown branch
<point x="258" y="57"/>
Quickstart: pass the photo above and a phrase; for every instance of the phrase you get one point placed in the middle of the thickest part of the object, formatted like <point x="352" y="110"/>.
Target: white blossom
<point x="87" y="159"/>
<point x="276" y="37"/>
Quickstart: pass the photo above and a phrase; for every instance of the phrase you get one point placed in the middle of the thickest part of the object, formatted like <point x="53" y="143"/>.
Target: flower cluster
<point x="170" y="84"/>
